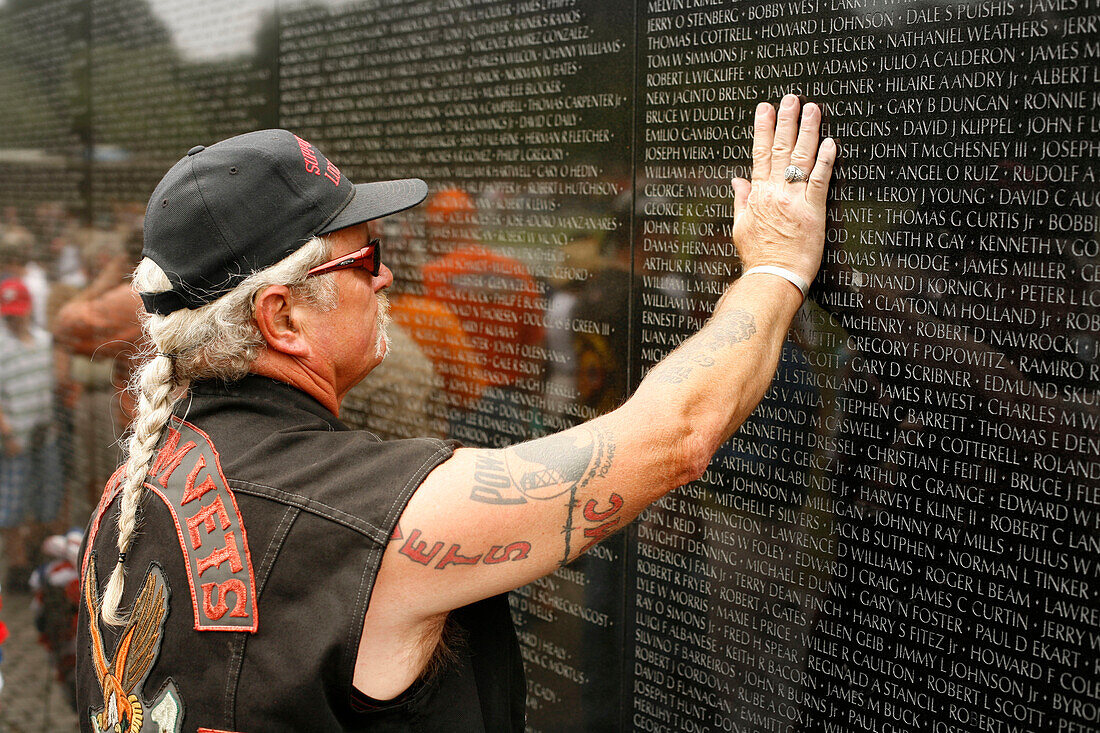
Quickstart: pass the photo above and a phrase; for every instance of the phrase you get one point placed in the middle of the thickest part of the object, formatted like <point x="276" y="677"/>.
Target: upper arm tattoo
<point x="548" y="468"/>
<point x="424" y="552"/>
<point x="723" y="331"/>
<point x="542" y="469"/>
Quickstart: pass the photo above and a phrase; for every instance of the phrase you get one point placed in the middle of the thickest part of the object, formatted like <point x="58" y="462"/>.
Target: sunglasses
<point x="369" y="258"/>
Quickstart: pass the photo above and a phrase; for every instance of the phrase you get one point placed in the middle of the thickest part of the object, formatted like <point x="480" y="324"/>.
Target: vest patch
<point x="187" y="475"/>
<point x="122" y="677"/>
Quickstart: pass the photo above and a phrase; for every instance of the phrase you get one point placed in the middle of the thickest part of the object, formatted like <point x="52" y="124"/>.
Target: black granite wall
<point x="905" y="536"/>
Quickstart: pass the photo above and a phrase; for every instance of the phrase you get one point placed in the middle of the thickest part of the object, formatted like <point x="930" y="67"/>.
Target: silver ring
<point x="794" y="174"/>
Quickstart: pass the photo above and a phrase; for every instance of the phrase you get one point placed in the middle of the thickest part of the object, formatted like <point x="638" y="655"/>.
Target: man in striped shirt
<point x="30" y="476"/>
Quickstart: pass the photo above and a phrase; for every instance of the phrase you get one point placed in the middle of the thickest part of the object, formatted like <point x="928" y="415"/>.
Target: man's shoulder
<point x="292" y="454"/>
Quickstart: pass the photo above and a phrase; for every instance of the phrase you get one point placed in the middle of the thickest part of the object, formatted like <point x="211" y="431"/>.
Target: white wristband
<point x="792" y="277"/>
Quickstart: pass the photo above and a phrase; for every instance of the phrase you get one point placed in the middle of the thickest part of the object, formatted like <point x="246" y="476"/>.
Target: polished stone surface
<point x="905" y="535"/>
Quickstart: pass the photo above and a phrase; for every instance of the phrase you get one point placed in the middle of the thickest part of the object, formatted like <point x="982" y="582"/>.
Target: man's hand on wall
<point x="780" y="222"/>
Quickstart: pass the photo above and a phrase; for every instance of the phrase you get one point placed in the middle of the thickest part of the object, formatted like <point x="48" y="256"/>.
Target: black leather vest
<point x="260" y="536"/>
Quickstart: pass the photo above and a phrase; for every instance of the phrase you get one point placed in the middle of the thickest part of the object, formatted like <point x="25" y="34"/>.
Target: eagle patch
<point x="122" y="677"/>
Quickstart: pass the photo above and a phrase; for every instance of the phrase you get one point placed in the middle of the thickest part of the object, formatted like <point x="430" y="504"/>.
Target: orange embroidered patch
<point x="122" y="677"/>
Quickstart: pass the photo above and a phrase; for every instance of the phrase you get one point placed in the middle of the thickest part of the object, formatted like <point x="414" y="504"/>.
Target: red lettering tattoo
<point x="205" y="516"/>
<point x="608" y="526"/>
<point x="396" y="534"/>
<point x="495" y="554"/>
<point x="592" y="515"/>
<point x="220" y="555"/>
<point x="453" y="558"/>
<point x="414" y="550"/>
<point x="417" y="550"/>
<point x="595" y="534"/>
<point x="215" y="611"/>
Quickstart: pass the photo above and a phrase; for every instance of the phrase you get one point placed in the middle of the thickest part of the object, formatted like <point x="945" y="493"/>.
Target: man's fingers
<point x="786" y="128"/>
<point x="741" y="189"/>
<point x="762" y="137"/>
<point x="818" y="185"/>
<point x="805" y="150"/>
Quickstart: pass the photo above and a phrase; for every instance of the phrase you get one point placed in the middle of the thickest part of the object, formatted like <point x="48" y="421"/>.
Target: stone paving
<point x="31" y="700"/>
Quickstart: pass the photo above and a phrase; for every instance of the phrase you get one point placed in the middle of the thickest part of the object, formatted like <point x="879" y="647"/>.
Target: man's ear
<point x="276" y="314"/>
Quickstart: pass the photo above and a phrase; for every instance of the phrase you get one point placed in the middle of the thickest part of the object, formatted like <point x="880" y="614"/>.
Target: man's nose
<point x="384" y="279"/>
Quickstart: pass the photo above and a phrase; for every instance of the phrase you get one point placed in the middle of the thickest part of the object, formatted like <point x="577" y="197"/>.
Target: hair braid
<point x="156" y="384"/>
<point x="220" y="340"/>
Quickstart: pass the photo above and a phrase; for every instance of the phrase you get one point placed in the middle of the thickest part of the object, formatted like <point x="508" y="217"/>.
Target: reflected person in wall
<point x="268" y="569"/>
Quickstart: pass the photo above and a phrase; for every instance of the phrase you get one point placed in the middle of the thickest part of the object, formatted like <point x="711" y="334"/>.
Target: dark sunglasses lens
<point x="376" y="257"/>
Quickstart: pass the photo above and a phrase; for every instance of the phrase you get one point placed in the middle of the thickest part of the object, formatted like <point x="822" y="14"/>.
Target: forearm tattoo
<point x="723" y="331"/>
<point x="555" y="467"/>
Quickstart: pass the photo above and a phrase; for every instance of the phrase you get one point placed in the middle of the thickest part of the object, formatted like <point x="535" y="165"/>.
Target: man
<point x="290" y="574"/>
<point x="30" y="479"/>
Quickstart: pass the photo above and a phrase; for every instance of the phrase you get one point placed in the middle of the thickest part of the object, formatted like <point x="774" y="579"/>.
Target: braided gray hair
<point x="220" y="340"/>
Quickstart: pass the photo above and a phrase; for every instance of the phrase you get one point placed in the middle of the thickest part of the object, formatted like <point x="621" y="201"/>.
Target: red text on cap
<point x="313" y="166"/>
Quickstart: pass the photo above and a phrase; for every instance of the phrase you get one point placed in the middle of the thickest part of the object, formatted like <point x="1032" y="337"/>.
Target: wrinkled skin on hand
<point x="776" y="222"/>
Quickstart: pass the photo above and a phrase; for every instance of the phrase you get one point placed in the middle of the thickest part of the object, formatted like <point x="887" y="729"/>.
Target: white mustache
<point x="382" y="323"/>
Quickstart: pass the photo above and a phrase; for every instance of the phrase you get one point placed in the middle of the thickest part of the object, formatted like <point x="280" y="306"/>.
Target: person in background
<point x="17" y="260"/>
<point x="98" y="330"/>
<point x="30" y="475"/>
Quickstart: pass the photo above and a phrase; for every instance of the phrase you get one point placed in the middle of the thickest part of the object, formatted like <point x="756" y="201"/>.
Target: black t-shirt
<point x="261" y="532"/>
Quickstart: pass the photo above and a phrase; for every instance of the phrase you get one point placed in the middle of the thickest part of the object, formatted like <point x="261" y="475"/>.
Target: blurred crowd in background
<point x="68" y="334"/>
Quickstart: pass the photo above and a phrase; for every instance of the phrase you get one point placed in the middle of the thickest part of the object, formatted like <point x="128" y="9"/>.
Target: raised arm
<point x="102" y="325"/>
<point x="488" y="521"/>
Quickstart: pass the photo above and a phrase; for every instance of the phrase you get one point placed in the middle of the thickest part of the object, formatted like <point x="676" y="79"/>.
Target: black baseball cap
<point x="229" y="210"/>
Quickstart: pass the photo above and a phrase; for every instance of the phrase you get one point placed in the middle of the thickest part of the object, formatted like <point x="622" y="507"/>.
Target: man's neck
<point x="296" y="374"/>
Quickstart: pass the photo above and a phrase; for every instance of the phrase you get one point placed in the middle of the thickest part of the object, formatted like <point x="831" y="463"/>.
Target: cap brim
<point x="375" y="200"/>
